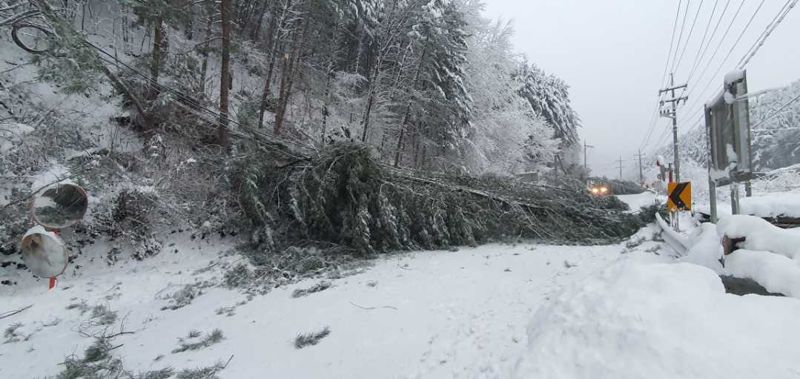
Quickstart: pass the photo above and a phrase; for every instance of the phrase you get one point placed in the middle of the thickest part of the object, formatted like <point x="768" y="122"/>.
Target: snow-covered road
<point x="497" y="311"/>
<point x="431" y="314"/>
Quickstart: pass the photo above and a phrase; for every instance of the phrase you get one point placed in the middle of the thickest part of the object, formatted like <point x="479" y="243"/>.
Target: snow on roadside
<point x="432" y="314"/>
<point x="775" y="204"/>
<point x="496" y="311"/>
<point x="776" y="273"/>
<point x="760" y="235"/>
<point x="772" y="205"/>
<point x="638" y="201"/>
<point x="706" y="249"/>
<point x="637" y="320"/>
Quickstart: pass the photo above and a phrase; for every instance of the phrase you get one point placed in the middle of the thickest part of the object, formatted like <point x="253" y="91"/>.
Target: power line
<point x="727" y="56"/>
<point x="790" y="4"/>
<point x="699" y="57"/>
<point x="775" y="113"/>
<point x="689" y="37"/>
<point x="651" y="129"/>
<point x="654" y="117"/>
<point x="680" y="36"/>
<point x="671" y="42"/>
<point x="185" y="101"/>
<point x="719" y="45"/>
<point x="739" y="38"/>
<point x="782" y="13"/>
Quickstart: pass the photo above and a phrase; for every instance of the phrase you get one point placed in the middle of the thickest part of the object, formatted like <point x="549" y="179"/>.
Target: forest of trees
<point x="431" y="84"/>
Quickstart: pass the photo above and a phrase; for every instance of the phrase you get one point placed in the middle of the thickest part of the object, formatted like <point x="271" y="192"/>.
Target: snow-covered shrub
<point x="238" y="276"/>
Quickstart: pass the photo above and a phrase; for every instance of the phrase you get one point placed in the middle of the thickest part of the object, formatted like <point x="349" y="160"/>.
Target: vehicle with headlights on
<point x="600" y="189"/>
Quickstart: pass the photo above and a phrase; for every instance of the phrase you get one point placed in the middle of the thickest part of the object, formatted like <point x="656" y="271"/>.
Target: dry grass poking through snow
<point x="319" y="287"/>
<point x="311" y="339"/>
<point x="194" y="342"/>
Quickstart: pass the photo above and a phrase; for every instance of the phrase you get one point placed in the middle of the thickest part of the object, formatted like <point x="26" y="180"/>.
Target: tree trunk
<point x="225" y="78"/>
<point x="254" y="32"/>
<point x="274" y="44"/>
<point x="372" y="89"/>
<point x="367" y="113"/>
<point x="287" y="79"/>
<point x="327" y="98"/>
<point x="399" y="148"/>
<point x="155" y="63"/>
<point x="408" y="106"/>
<point x="206" y="50"/>
<point x="189" y="24"/>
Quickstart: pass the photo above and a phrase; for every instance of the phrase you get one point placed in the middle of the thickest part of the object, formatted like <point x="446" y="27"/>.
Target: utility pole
<point x="641" y="170"/>
<point x="673" y="114"/>
<point x="620" y="167"/>
<point x="585" y="155"/>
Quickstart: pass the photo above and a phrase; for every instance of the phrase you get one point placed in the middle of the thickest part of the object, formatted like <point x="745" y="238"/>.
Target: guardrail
<point x="676" y="241"/>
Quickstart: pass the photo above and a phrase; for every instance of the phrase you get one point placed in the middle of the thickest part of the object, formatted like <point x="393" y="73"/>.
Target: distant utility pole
<point x="673" y="114"/>
<point x="585" y="155"/>
<point x="641" y="171"/>
<point x="620" y="167"/>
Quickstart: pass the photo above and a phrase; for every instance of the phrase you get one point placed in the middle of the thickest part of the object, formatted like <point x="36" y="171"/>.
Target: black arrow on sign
<point x="675" y="196"/>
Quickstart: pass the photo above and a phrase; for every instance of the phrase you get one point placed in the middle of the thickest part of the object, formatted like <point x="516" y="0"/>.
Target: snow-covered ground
<point x="431" y="314"/>
<point x="527" y="311"/>
<point x="772" y="204"/>
<point x="630" y="310"/>
<point x="639" y="319"/>
<point x="638" y="201"/>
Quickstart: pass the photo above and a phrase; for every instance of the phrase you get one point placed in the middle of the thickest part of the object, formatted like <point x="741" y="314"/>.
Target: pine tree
<point x="549" y="97"/>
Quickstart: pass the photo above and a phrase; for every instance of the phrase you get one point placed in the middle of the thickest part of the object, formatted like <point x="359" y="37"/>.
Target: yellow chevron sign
<point x="679" y="196"/>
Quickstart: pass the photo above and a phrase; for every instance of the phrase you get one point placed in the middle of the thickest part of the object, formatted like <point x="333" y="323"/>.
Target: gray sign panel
<point x="728" y="129"/>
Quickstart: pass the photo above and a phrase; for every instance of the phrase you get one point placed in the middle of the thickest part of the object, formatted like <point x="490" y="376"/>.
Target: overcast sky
<point x="613" y="53"/>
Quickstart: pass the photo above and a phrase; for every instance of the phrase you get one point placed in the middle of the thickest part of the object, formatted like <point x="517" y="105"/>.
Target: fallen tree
<point x="345" y="200"/>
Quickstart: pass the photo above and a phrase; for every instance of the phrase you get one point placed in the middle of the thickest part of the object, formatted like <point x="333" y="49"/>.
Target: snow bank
<point x="760" y="235"/>
<point x="639" y="201"/>
<point x="773" y="205"/>
<point x="637" y="320"/>
<point x="706" y="249"/>
<point x="776" y="273"/>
